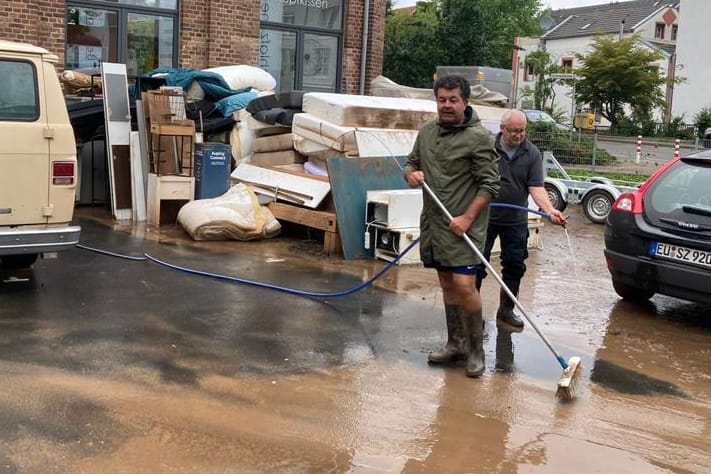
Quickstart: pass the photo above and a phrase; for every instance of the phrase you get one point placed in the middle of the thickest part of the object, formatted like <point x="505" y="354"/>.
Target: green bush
<point x="702" y="121"/>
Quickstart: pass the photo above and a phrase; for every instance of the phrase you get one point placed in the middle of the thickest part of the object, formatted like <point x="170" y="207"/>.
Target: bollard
<point x="639" y="148"/>
<point x="677" y="145"/>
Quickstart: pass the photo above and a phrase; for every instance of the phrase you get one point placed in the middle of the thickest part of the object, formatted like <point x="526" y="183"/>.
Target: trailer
<point x="595" y="194"/>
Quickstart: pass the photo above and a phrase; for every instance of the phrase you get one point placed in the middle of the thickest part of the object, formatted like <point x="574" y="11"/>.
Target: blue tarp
<point x="213" y="84"/>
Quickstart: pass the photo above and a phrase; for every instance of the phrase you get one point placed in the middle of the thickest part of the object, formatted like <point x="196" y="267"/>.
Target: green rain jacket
<point x="459" y="163"/>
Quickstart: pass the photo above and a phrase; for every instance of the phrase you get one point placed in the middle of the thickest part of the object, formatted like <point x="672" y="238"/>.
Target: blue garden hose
<point x="293" y="291"/>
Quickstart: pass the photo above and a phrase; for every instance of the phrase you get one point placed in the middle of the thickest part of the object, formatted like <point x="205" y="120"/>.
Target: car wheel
<point x="16" y="262"/>
<point x="597" y="205"/>
<point x="555" y="197"/>
<point x="631" y="293"/>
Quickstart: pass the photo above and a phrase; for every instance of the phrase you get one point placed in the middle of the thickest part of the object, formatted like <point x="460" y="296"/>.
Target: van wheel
<point x="597" y="205"/>
<point x="16" y="262"/>
<point x="631" y="293"/>
<point x="555" y="197"/>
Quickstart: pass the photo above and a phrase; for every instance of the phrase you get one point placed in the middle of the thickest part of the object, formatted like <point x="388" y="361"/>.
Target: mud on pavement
<point x="119" y="366"/>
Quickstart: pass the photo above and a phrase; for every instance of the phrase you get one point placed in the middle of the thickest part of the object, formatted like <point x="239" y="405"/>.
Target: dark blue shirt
<point x="519" y="172"/>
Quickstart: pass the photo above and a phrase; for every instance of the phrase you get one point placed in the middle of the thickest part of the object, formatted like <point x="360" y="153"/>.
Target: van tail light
<point x="63" y="173"/>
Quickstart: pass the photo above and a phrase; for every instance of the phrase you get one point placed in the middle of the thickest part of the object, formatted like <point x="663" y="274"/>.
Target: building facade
<point x="315" y="45"/>
<point x="571" y="31"/>
<point x="693" y="93"/>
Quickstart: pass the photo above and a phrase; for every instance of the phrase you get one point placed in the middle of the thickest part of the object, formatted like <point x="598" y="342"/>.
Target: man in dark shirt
<point x="521" y="170"/>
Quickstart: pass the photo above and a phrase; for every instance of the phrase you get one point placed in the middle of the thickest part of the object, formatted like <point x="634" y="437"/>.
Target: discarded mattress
<point x="368" y="111"/>
<point x="235" y="215"/>
<point x="384" y="87"/>
<point x="361" y="141"/>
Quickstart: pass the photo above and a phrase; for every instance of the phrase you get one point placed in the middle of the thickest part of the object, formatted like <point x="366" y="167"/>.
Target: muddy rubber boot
<point x="504" y="349"/>
<point x="475" y="343"/>
<point x="454" y="350"/>
<point x="478" y="280"/>
<point x="505" y="313"/>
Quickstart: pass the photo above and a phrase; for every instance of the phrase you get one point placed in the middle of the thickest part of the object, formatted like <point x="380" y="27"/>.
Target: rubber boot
<point x="505" y="313"/>
<point x="475" y="343"/>
<point x="454" y="350"/>
<point x="504" y="349"/>
<point x="478" y="280"/>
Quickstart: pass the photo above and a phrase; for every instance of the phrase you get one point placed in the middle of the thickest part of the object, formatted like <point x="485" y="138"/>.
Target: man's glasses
<point x="515" y="131"/>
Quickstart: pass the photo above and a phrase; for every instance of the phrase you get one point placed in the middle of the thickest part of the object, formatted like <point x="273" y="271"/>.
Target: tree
<point x="482" y="32"/>
<point x="455" y="33"/>
<point x="412" y="50"/>
<point x="543" y="67"/>
<point x="619" y="73"/>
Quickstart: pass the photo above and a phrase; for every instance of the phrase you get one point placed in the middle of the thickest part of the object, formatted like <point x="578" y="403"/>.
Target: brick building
<point x="305" y="44"/>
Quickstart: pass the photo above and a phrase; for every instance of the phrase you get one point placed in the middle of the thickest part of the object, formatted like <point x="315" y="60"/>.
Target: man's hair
<point x="506" y="118"/>
<point x="451" y="83"/>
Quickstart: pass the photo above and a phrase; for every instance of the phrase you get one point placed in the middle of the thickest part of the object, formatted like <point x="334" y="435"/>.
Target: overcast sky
<point x="554" y="4"/>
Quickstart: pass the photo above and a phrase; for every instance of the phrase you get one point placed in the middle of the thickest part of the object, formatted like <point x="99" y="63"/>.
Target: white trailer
<point x="595" y="194"/>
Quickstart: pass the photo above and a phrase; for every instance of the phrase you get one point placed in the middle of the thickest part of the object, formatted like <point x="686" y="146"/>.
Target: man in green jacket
<point x="455" y="156"/>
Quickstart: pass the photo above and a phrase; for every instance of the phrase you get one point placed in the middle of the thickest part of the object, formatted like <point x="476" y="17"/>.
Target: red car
<point x="658" y="238"/>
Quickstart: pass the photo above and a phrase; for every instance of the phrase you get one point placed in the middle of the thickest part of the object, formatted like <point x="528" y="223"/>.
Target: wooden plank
<point x="276" y="158"/>
<point x="350" y="179"/>
<point x="332" y="243"/>
<point x="322" y="220"/>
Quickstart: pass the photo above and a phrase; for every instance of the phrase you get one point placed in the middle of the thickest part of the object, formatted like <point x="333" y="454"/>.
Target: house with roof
<point x="570" y="31"/>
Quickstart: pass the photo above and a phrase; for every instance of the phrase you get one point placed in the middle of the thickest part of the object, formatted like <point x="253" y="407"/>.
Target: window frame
<point x="659" y="30"/>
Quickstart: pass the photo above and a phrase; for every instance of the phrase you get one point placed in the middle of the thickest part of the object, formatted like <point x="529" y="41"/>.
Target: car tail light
<point x="629" y="202"/>
<point x="63" y="173"/>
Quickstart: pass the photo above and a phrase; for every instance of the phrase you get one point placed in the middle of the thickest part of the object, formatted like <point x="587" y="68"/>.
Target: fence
<point x="658" y="130"/>
<point x="584" y="150"/>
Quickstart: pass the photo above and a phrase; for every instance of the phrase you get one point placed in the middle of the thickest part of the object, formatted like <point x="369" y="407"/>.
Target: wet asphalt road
<point x="115" y="365"/>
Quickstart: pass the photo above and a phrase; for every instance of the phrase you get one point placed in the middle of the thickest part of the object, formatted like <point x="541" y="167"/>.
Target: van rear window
<point x="18" y="91"/>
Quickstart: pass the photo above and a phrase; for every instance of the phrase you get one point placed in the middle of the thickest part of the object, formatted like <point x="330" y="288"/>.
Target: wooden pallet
<point x="324" y="220"/>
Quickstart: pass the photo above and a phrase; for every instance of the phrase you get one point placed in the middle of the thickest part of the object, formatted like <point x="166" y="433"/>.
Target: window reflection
<point x="92" y="37"/>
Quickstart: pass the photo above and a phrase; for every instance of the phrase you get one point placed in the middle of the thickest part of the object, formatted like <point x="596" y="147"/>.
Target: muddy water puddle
<point x="149" y="370"/>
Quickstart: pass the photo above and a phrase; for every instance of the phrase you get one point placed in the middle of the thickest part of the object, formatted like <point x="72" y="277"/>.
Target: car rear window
<point x="681" y="194"/>
<point x="18" y="91"/>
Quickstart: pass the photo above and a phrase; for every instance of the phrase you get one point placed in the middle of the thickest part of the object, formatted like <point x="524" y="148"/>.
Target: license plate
<point x="681" y="254"/>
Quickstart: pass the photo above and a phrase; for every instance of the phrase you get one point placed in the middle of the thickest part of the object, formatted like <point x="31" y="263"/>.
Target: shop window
<point x="320" y="62"/>
<point x="142" y="40"/>
<point x="150" y="43"/>
<point x="92" y="37"/>
<point x="659" y="30"/>
<point x="326" y="14"/>
<point x="300" y="43"/>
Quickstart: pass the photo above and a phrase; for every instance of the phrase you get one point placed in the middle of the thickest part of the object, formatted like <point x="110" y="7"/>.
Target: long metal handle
<point x="496" y="276"/>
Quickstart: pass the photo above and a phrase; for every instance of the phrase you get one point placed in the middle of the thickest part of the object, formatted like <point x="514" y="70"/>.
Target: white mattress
<point x="361" y="141"/>
<point x="370" y="111"/>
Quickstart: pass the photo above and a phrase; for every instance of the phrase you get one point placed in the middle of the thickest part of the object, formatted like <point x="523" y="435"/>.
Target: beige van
<point x="38" y="164"/>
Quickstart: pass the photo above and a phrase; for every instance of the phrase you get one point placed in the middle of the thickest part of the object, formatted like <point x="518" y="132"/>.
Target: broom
<point x="572" y="369"/>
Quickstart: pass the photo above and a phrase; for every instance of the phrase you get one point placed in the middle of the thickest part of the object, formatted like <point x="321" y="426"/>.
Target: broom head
<point x="568" y="381"/>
